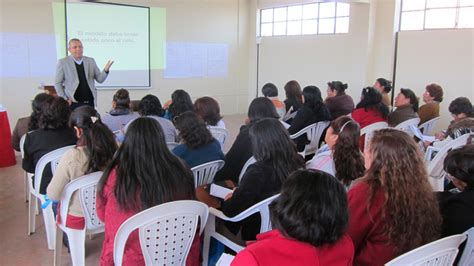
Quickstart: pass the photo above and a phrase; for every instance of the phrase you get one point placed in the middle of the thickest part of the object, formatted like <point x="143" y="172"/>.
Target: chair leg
<point x="77" y="240"/>
<point x="205" y="249"/>
<point x="58" y="246"/>
<point x="37" y="205"/>
<point x="31" y="214"/>
<point x="27" y="187"/>
<point x="50" y="226"/>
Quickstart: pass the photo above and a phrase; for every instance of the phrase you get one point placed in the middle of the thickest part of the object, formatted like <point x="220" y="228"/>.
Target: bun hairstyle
<point x="413" y="99"/>
<point x="338" y="86"/>
<point x="386" y="84"/>
<point x="122" y="99"/>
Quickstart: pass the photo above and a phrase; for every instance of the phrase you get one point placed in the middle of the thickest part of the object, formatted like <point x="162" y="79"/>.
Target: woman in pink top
<point x="310" y="219"/>
<point x="142" y="174"/>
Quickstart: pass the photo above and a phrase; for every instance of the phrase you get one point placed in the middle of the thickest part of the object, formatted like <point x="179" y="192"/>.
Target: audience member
<point x="457" y="207"/>
<point x="241" y="149"/>
<point x="270" y="91"/>
<point x="384" y="86"/>
<point x="208" y="109"/>
<point x="309" y="221"/>
<point x="369" y="110"/>
<point x="120" y="114"/>
<point x="94" y="150"/>
<point x="143" y="174"/>
<point x="337" y="101"/>
<point x="180" y="103"/>
<point x="30" y="123"/>
<point x="198" y="146"/>
<point x="432" y="97"/>
<point x="276" y="157"/>
<point x="407" y="108"/>
<point x="293" y="96"/>
<point x="52" y="133"/>
<point x="392" y="209"/>
<point x="341" y="157"/>
<point x="312" y="111"/>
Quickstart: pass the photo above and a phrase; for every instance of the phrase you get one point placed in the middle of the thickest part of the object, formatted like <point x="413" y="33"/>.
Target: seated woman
<point x="312" y="111"/>
<point x="30" y="123"/>
<point x="198" y="146"/>
<point x="208" y="109"/>
<point x="270" y="91"/>
<point x="308" y="229"/>
<point x="293" y="99"/>
<point x="407" y="108"/>
<point x="143" y="174"/>
<point x="462" y="111"/>
<point x="180" y="103"/>
<point x="337" y="101"/>
<point x="341" y="157"/>
<point x="369" y="110"/>
<point x="457" y="208"/>
<point x="392" y="209"/>
<point x="384" y="86"/>
<point x="94" y="150"/>
<point x="120" y="114"/>
<point x="241" y="149"/>
<point x="276" y="158"/>
<point x="432" y="97"/>
<point x="53" y="133"/>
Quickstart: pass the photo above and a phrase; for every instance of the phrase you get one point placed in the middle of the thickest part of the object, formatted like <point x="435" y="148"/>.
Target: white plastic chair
<point x="204" y="174"/>
<point x="160" y="230"/>
<point x="435" y="166"/>
<point x="261" y="207"/>
<point x="249" y="162"/>
<point x="369" y="130"/>
<point x="48" y="215"/>
<point x="428" y="127"/>
<point x="86" y="187"/>
<point x="171" y="145"/>
<point x="289" y="114"/>
<point x="467" y="258"/>
<point x="313" y="133"/>
<point x="221" y="134"/>
<point x="27" y="176"/>
<point x="440" y="252"/>
<point x="405" y="125"/>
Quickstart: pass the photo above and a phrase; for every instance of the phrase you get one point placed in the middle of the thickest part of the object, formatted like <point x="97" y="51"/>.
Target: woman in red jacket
<point x="310" y="220"/>
<point x="392" y="209"/>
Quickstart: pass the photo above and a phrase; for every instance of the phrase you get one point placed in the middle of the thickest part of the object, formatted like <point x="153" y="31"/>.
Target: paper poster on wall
<point x="196" y="60"/>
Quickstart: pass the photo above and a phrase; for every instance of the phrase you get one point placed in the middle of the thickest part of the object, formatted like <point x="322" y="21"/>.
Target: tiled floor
<point x="17" y="248"/>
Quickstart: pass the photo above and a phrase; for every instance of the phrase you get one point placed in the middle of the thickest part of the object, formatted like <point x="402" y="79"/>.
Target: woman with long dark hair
<point x="341" y="157"/>
<point x="392" y="209"/>
<point x="369" y="110"/>
<point x="198" y="146"/>
<point x="143" y="174"/>
<point x="312" y="111"/>
<point x="309" y="221"/>
<point x="241" y="149"/>
<point x="276" y="158"/>
<point x="293" y="96"/>
<point x="94" y="150"/>
<point x="406" y="103"/>
<point x="180" y="103"/>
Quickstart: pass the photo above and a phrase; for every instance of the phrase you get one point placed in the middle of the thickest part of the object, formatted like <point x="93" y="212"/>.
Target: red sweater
<point x="366" y="227"/>
<point x="113" y="216"/>
<point x="272" y="248"/>
<point x="365" y="118"/>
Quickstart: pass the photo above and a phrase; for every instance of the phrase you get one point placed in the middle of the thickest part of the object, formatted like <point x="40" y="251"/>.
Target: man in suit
<point x="75" y="75"/>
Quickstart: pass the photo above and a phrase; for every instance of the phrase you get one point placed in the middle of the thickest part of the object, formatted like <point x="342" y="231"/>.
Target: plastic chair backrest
<point x="369" y="130"/>
<point x="52" y="157"/>
<point x="221" y="134"/>
<point x="467" y="258"/>
<point x="249" y="162"/>
<point x="171" y="145"/>
<point x="204" y="174"/>
<point x="440" y="252"/>
<point x="435" y="166"/>
<point x="86" y="186"/>
<point x="405" y="125"/>
<point x="289" y="114"/>
<point x="313" y="133"/>
<point x="427" y="127"/>
<point x="166" y="232"/>
<point x="22" y="143"/>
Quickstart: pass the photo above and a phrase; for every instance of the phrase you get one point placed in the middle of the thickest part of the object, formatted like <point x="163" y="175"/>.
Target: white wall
<point x="219" y="21"/>
<point x="445" y="57"/>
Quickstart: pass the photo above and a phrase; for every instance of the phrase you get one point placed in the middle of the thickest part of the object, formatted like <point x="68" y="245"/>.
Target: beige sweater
<point x="71" y="166"/>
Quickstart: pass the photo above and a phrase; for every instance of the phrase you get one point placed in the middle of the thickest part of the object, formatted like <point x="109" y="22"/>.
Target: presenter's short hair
<point x="73" y="40"/>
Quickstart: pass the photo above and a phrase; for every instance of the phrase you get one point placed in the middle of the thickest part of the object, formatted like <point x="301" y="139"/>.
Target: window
<point x="307" y="19"/>
<point x="437" y="14"/>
